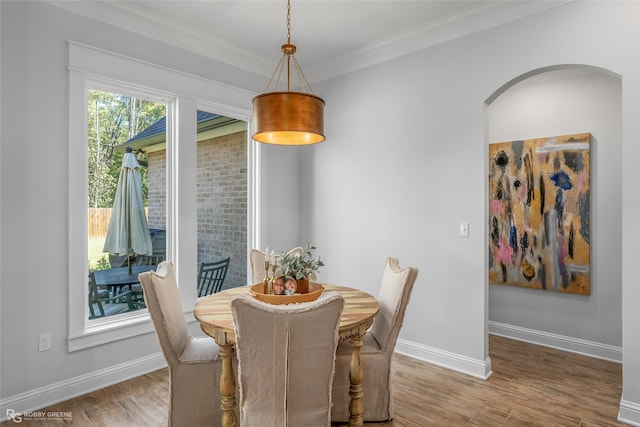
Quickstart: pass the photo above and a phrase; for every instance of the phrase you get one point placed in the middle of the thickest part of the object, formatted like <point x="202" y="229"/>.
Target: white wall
<point x="559" y="103"/>
<point x="404" y="163"/>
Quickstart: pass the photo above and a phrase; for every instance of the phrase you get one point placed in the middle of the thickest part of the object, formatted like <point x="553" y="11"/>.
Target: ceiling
<point x="332" y="36"/>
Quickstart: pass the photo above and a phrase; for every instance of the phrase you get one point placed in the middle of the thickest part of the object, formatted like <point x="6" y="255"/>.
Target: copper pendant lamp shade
<point x="288" y="117"/>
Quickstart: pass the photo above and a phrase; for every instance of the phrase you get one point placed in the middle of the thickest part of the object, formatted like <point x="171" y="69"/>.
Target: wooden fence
<point x="99" y="222"/>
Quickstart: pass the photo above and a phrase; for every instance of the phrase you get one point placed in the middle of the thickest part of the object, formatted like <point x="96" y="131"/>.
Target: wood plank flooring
<point x="530" y="386"/>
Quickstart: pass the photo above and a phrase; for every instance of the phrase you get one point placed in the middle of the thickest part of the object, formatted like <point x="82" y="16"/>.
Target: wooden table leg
<point x="227" y="387"/>
<point x="355" y="389"/>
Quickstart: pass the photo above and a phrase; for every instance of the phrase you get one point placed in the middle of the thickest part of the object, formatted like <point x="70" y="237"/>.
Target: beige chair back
<point x="394" y="294"/>
<point x="286" y="357"/>
<point x="193" y="363"/>
<point x="256" y="257"/>
<point x="377" y="349"/>
<point x="165" y="308"/>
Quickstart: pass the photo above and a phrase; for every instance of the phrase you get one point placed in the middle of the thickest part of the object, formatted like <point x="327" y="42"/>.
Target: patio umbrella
<point x="128" y="232"/>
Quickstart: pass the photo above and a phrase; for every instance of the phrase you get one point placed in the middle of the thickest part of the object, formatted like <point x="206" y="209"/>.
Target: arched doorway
<point x="554" y="101"/>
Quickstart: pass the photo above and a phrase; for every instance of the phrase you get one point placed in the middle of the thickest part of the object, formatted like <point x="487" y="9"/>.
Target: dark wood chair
<point x="106" y="303"/>
<point x="137" y="293"/>
<point x="152" y="260"/>
<point x="137" y="296"/>
<point x="211" y="276"/>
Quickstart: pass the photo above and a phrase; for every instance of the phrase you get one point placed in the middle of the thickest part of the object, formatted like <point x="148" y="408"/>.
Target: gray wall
<point x="403" y="164"/>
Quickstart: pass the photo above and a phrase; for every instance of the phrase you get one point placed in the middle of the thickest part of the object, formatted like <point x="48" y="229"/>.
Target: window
<point x="127" y="221"/>
<point x="222" y="195"/>
<point x="96" y="72"/>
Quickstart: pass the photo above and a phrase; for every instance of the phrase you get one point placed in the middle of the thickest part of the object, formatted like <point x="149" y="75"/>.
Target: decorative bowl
<point x="315" y="289"/>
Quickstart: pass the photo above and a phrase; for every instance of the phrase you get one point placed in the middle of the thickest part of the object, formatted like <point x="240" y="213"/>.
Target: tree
<point x="113" y="119"/>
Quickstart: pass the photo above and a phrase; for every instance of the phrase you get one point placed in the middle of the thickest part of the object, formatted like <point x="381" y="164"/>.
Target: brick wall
<point x="157" y="179"/>
<point x="222" y="201"/>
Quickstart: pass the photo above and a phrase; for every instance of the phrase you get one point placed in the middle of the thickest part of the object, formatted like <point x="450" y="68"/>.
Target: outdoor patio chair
<point x="106" y="303"/>
<point x="136" y="288"/>
<point x="211" y="276"/>
<point x="152" y="260"/>
<point x="137" y="296"/>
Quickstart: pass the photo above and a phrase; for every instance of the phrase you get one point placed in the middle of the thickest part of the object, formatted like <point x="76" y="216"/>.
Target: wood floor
<point x="530" y="386"/>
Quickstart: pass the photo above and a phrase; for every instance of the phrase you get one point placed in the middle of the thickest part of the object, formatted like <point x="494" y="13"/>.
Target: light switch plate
<point x="464" y="229"/>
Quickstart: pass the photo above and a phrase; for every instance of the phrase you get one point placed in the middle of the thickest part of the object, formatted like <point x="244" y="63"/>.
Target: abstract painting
<point x="539" y="198"/>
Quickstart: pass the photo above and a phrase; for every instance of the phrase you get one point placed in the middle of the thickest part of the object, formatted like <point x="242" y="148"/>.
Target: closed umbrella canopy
<point x="128" y="231"/>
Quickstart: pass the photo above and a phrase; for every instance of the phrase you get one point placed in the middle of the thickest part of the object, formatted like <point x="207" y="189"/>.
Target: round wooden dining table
<point x="216" y="320"/>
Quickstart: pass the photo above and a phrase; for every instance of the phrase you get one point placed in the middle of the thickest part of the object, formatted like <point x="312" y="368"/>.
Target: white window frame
<point x="91" y="67"/>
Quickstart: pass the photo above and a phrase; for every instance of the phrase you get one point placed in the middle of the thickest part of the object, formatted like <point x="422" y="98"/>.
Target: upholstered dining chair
<point x="286" y="356"/>
<point x="377" y="349"/>
<point x="256" y="256"/>
<point x="194" y="366"/>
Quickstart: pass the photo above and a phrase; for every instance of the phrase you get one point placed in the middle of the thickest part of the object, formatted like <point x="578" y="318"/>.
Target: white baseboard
<point x="457" y="362"/>
<point x="573" y="345"/>
<point x="64" y="390"/>
<point x="77" y="386"/>
<point x="629" y="413"/>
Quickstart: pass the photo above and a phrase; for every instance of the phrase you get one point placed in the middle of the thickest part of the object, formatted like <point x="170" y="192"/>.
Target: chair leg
<point x="92" y="313"/>
<point x="100" y="308"/>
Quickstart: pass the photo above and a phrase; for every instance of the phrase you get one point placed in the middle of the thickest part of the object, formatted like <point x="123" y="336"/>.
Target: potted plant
<point x="299" y="266"/>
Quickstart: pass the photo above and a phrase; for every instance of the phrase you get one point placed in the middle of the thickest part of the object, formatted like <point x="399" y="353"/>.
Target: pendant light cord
<point x="288" y="53"/>
<point x="289" y="21"/>
<point x="289" y="43"/>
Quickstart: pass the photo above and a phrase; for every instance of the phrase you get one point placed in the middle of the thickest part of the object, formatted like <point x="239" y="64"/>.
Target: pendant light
<point x="288" y="118"/>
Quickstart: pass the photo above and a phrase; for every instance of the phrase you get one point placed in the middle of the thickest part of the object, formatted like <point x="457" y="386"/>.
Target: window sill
<point x="98" y="332"/>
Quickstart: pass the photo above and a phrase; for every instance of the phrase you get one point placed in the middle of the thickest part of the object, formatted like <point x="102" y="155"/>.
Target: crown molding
<point x="479" y="17"/>
<point x="483" y="16"/>
<point x="156" y="27"/>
